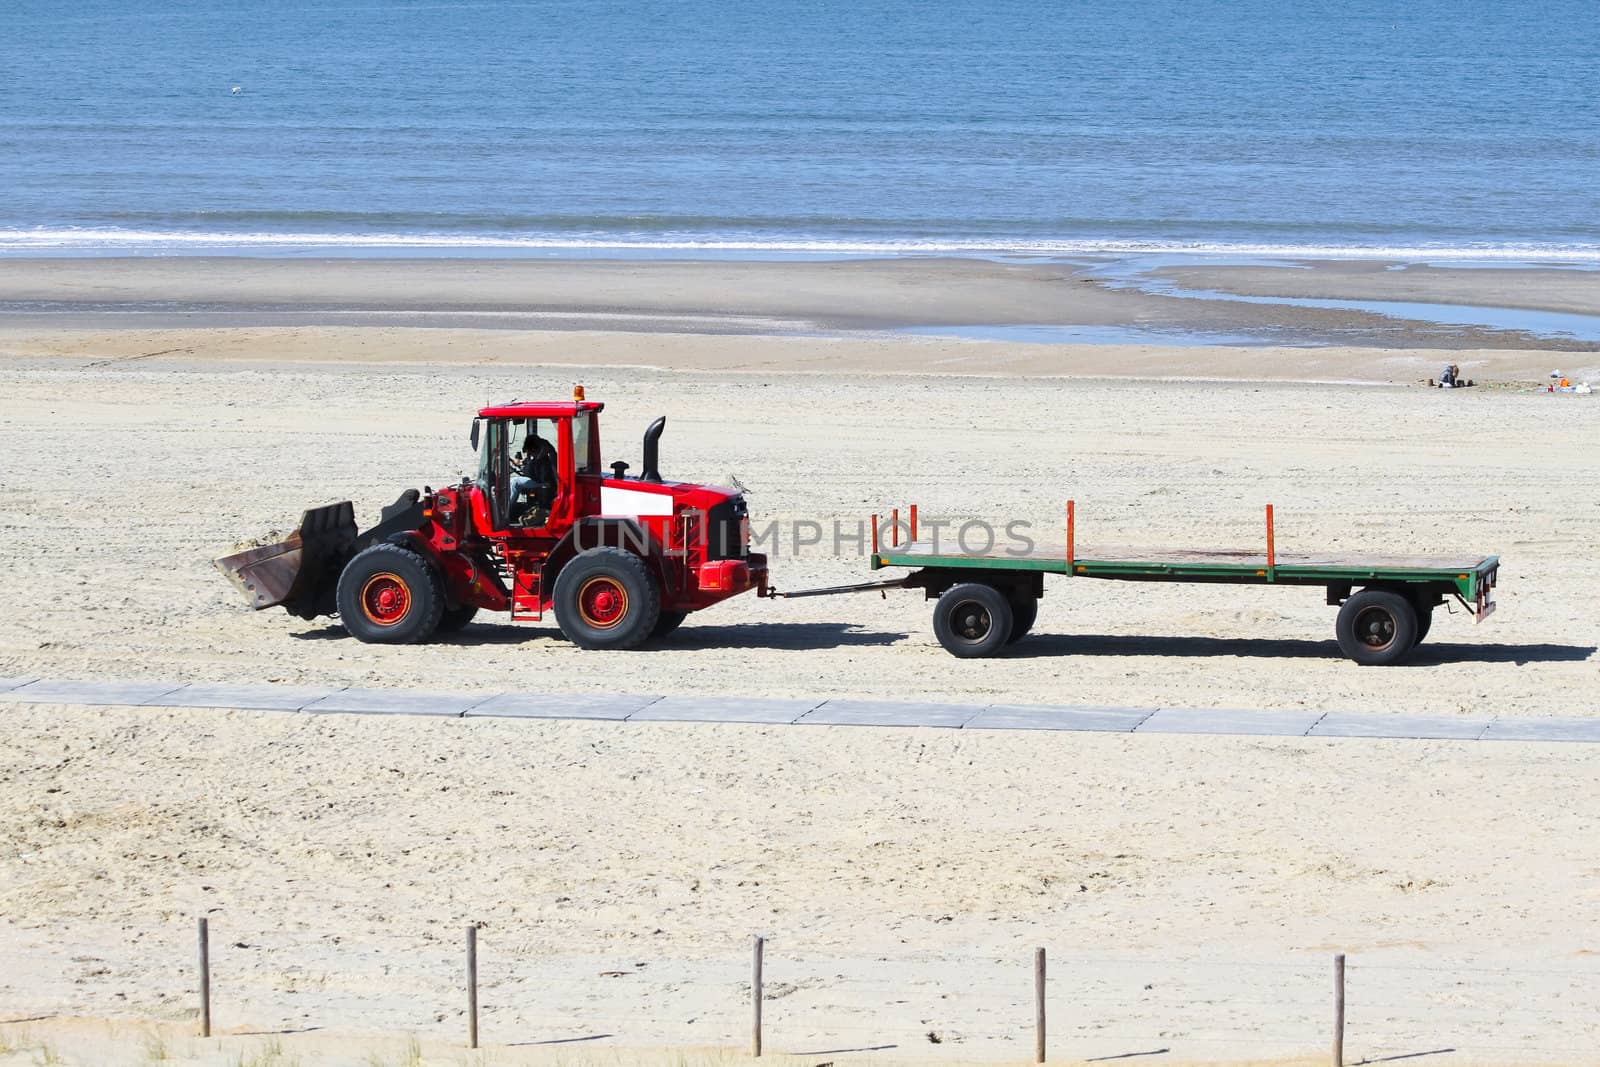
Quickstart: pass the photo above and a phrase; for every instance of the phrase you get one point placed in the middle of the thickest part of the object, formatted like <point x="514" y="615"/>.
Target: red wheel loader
<point x="542" y="527"/>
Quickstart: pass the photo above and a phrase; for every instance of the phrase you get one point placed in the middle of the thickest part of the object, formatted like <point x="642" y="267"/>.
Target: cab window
<point x="583" y="458"/>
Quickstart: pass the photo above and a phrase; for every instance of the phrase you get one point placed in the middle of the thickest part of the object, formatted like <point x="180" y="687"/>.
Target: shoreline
<point x="75" y="242"/>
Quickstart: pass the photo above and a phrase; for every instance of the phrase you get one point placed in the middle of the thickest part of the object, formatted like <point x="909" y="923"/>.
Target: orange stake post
<point x="1070" y="532"/>
<point x="1272" y="554"/>
<point x="894" y="528"/>
<point x="913" y="523"/>
<point x="874" y="540"/>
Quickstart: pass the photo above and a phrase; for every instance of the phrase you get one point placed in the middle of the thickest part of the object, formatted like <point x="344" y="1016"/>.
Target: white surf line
<point x="770" y="711"/>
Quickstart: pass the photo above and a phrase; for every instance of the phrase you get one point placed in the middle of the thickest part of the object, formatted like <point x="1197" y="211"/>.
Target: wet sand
<point x="760" y="298"/>
<point x="1531" y="288"/>
<point x="330" y="348"/>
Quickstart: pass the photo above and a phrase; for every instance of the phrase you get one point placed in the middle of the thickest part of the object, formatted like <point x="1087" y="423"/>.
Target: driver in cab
<point x="533" y="475"/>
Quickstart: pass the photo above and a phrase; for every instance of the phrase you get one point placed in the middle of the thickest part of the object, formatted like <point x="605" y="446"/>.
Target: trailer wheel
<point x="972" y="620"/>
<point x="456" y="618"/>
<point x="1424" y="623"/>
<point x="668" y="622"/>
<point x="1377" y="627"/>
<point x="607" y="598"/>
<point x="1023" y="613"/>
<point x="390" y="595"/>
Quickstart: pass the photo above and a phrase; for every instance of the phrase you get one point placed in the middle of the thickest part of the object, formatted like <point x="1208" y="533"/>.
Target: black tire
<point x="607" y="598"/>
<point x="455" y="619"/>
<point x="667" y="622"/>
<point x="1377" y="627"/>
<point x="1023" y="614"/>
<point x="390" y="595"/>
<point x="972" y="620"/>
<point x="1424" y="624"/>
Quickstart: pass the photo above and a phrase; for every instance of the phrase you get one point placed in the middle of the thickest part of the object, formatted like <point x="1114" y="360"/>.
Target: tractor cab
<point x="534" y="463"/>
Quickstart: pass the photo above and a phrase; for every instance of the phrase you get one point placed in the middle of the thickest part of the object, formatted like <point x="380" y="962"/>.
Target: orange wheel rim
<point x="385" y="599"/>
<point x="603" y="603"/>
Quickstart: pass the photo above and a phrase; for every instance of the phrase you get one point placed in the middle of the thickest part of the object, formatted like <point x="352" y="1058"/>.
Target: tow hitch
<point x="832" y="590"/>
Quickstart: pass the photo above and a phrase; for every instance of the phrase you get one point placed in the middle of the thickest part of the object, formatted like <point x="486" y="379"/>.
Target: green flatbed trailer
<point x="989" y="599"/>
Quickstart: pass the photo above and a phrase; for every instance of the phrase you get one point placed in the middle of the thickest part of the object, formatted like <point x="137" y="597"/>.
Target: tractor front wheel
<point x="668" y="622"/>
<point x="390" y="595"/>
<point x="607" y="598"/>
<point x="454" y="619"/>
<point x="972" y="620"/>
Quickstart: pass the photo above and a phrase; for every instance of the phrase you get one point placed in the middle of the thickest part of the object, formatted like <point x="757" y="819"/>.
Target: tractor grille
<point x="726" y="530"/>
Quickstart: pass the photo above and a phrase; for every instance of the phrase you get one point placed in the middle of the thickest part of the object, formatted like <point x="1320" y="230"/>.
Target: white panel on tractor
<point x="633" y="502"/>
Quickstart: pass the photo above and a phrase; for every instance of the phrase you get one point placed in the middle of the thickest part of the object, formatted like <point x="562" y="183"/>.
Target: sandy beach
<point x="1191" y="891"/>
<point x="158" y="412"/>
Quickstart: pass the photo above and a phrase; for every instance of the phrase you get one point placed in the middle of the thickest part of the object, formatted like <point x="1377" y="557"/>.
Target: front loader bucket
<point x="299" y="573"/>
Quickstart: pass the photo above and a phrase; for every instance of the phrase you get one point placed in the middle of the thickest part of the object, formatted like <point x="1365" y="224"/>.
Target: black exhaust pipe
<point x="652" y="450"/>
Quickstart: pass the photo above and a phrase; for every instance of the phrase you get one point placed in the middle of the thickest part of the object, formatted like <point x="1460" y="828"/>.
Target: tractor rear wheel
<point x="607" y="598"/>
<point x="1024" y="611"/>
<point x="972" y="620"/>
<point x="390" y="595"/>
<point x="1377" y="627"/>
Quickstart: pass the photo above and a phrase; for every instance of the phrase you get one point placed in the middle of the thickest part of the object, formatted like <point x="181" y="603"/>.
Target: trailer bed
<point x="988" y="597"/>
<point x="1466" y="575"/>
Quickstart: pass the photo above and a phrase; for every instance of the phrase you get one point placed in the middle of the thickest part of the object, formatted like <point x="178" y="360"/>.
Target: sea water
<point x="1428" y="129"/>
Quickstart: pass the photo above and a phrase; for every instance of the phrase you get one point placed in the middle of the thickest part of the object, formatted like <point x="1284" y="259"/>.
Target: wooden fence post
<point x="755" y="997"/>
<point x="472" y="985"/>
<point x="1038" y="1006"/>
<point x="1338" y="1010"/>
<point x="205" y="978"/>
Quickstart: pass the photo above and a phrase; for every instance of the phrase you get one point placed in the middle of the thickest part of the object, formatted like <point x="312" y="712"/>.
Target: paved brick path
<point x="837" y="712"/>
